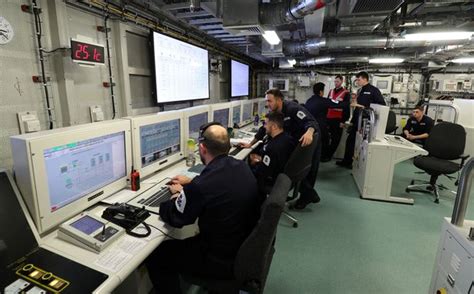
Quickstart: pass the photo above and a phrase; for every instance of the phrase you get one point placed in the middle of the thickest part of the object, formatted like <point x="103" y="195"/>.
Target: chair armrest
<point x="463" y="158"/>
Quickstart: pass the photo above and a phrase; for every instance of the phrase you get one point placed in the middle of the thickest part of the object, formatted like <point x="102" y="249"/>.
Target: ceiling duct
<point x="247" y="17"/>
<point x="314" y="45"/>
<point x="336" y="60"/>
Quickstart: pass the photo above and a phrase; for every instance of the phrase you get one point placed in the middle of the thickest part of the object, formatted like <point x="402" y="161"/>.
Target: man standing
<point x="300" y="125"/>
<point x="338" y="113"/>
<point x="418" y="126"/>
<point x="367" y="95"/>
<point x="269" y="160"/>
<point x="318" y="106"/>
<point x="227" y="209"/>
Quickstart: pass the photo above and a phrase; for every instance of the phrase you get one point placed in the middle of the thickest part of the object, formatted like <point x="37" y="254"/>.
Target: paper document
<point x="113" y="260"/>
<point x="237" y="141"/>
<point x="131" y="244"/>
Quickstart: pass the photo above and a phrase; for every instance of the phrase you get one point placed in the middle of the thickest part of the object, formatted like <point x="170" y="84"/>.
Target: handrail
<point x="462" y="195"/>
<point x="438" y="106"/>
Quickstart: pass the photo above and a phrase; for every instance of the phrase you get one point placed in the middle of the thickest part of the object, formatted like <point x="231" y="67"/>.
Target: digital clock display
<point x="86" y="52"/>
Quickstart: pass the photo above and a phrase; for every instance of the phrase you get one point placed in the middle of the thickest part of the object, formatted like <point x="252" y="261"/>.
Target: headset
<point x="203" y="129"/>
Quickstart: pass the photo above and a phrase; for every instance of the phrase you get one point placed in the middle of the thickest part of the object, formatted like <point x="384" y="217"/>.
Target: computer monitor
<point x="194" y="118"/>
<point x="262" y="106"/>
<point x="158" y="141"/>
<point x="221" y="113"/>
<point x="64" y="171"/>
<point x="236" y="112"/>
<point x="247" y="111"/>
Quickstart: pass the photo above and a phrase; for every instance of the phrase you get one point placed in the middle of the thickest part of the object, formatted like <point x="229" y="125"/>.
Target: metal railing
<point x="438" y="107"/>
<point x="462" y="196"/>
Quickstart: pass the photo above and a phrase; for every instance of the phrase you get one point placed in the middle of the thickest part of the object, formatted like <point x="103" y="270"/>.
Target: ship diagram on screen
<point x="195" y="123"/>
<point x="222" y="116"/>
<point x="247" y="114"/>
<point x="159" y="140"/>
<point x="236" y="115"/>
<point x="76" y="169"/>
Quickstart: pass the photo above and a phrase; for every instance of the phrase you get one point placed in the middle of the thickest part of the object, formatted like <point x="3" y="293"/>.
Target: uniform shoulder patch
<point x="180" y="202"/>
<point x="300" y="114"/>
<point x="266" y="160"/>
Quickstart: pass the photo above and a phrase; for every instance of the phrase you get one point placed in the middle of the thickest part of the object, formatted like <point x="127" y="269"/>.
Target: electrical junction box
<point x="28" y="122"/>
<point x="96" y="113"/>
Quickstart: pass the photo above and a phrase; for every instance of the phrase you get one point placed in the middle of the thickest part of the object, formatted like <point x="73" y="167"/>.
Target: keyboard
<point x="156" y="199"/>
<point x="235" y="151"/>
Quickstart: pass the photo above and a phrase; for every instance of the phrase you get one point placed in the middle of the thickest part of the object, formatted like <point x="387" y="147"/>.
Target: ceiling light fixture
<point x="386" y="60"/>
<point x="271" y="37"/>
<point x="438" y="36"/>
<point x="463" y="60"/>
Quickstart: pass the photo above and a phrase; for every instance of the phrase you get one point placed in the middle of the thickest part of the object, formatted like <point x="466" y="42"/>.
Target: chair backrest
<point x="299" y="163"/>
<point x="391" y="122"/>
<point x="446" y="141"/>
<point x="255" y="254"/>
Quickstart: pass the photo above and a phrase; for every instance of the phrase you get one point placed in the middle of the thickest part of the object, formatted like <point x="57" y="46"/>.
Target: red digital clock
<point x="86" y="52"/>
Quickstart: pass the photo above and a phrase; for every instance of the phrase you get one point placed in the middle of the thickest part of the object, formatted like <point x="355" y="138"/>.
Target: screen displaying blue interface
<point x="222" y="116"/>
<point x="87" y="224"/>
<point x="195" y="122"/>
<point x="79" y="168"/>
<point x="159" y="140"/>
<point x="247" y="114"/>
<point x="236" y="115"/>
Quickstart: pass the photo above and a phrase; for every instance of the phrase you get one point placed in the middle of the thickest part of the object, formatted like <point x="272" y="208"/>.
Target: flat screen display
<point x="87" y="225"/>
<point x="79" y="168"/>
<point x="181" y="70"/>
<point x="222" y="116"/>
<point x="159" y="140"/>
<point x="195" y="123"/>
<point x="239" y="79"/>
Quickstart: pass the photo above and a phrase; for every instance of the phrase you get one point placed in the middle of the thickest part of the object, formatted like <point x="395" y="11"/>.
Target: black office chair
<point x="297" y="168"/>
<point x="255" y="254"/>
<point x="446" y="142"/>
<point x="391" y="123"/>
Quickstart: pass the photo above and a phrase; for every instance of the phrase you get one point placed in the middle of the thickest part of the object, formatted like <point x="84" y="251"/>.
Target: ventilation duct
<point x="312" y="46"/>
<point x="290" y="11"/>
<point x="329" y="60"/>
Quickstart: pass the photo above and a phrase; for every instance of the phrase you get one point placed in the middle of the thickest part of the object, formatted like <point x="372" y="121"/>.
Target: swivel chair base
<point x="291" y="218"/>
<point x="426" y="187"/>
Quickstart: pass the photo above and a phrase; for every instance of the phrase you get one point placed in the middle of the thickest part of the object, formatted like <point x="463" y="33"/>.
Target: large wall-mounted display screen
<point x="239" y="79"/>
<point x="181" y="70"/>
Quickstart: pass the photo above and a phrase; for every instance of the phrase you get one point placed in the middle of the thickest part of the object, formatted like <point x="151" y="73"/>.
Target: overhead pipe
<point x="313" y="45"/>
<point x="329" y="60"/>
<point x="288" y="11"/>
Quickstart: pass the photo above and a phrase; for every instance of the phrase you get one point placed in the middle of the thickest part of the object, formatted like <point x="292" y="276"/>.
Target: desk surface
<point x="122" y="257"/>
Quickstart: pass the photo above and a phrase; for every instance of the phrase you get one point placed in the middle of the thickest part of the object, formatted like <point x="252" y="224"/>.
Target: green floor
<point x="348" y="245"/>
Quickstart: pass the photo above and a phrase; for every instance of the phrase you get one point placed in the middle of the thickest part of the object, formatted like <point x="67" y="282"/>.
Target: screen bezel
<point x="49" y="219"/>
<point x="230" y="74"/>
<point x="154" y="86"/>
<point x="149" y="119"/>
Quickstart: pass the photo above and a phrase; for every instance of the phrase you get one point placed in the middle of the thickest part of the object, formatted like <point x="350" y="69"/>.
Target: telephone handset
<point x="128" y="217"/>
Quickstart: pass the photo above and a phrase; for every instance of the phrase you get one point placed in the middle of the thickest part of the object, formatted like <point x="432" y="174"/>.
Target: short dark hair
<point x="275" y="92"/>
<point x="215" y="143"/>
<point x="339" y="77"/>
<point x="318" y="87"/>
<point x="276" y="117"/>
<point x="363" y="74"/>
<point x="420" y="107"/>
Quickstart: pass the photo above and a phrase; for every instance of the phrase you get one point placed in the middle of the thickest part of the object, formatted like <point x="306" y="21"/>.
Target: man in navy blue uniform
<point x="300" y="125"/>
<point x="318" y="106"/>
<point x="418" y="126"/>
<point x="269" y="160"/>
<point x="227" y="208"/>
<point x="366" y="95"/>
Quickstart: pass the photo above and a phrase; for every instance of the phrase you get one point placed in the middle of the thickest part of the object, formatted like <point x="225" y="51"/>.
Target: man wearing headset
<point x="227" y="209"/>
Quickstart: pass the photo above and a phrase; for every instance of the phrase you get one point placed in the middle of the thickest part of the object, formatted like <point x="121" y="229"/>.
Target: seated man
<point x="225" y="199"/>
<point x="418" y="126"/>
<point x="269" y="160"/>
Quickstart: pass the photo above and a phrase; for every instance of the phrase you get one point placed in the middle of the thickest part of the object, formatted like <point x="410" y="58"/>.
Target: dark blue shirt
<point x="318" y="107"/>
<point x="225" y="199"/>
<point x="369" y="94"/>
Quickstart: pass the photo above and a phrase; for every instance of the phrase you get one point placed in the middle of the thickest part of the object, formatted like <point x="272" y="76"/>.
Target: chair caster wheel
<point x="456" y="183"/>
<point x="295" y="225"/>
<point x="412" y="182"/>
<point x="407" y="190"/>
<point x="436" y="201"/>
<point x="429" y="188"/>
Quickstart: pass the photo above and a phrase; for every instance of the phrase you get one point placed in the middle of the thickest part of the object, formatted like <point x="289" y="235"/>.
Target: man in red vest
<point x="338" y="113"/>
